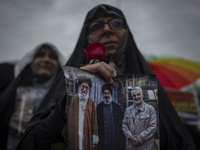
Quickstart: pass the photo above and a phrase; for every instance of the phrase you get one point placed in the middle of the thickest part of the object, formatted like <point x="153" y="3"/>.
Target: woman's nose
<point x="106" y="27"/>
<point x="46" y="57"/>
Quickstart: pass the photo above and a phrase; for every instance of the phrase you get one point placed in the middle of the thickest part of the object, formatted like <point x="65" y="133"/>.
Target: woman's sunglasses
<point x="98" y="26"/>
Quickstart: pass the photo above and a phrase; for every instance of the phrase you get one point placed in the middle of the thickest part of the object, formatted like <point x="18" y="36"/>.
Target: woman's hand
<point x="103" y="69"/>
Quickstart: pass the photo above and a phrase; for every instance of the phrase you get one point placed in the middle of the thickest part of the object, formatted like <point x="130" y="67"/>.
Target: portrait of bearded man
<point x="82" y="118"/>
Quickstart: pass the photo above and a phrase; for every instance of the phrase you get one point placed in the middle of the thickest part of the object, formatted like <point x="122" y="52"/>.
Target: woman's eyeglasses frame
<point x="114" y="27"/>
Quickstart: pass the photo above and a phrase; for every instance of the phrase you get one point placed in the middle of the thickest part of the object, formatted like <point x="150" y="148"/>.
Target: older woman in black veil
<point x="124" y="58"/>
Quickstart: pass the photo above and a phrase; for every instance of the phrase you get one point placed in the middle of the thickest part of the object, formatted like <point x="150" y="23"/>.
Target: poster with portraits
<point x="124" y="112"/>
<point x="28" y="100"/>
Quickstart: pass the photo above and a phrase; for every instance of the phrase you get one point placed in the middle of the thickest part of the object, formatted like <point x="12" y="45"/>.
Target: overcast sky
<point x="160" y="27"/>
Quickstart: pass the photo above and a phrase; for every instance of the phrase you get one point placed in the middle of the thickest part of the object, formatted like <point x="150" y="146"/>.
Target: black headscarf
<point x="134" y="59"/>
<point x="173" y="135"/>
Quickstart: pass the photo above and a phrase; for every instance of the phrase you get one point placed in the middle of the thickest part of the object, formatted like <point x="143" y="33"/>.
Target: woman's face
<point x="109" y="37"/>
<point x="45" y="63"/>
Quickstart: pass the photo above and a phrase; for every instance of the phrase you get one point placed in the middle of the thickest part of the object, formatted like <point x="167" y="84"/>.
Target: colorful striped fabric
<point x="175" y="72"/>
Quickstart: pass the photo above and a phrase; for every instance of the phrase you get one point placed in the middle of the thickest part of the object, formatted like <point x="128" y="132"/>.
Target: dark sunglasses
<point x="98" y="26"/>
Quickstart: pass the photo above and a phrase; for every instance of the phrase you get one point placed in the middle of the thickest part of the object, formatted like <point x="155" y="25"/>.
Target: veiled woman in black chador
<point x="125" y="58"/>
<point x="36" y="71"/>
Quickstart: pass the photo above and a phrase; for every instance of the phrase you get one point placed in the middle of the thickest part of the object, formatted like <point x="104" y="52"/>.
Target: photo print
<point x="27" y="102"/>
<point x="123" y="115"/>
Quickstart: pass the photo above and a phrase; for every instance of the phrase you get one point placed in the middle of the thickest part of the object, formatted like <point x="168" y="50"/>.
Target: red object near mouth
<point x="96" y="51"/>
